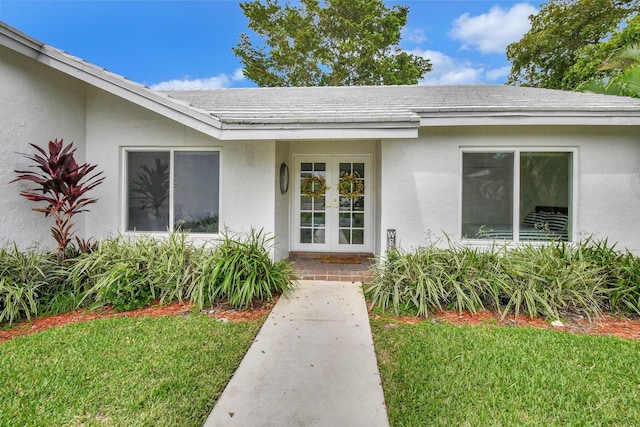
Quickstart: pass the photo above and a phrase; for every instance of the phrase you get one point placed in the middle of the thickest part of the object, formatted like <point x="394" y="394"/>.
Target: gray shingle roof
<point x="367" y="104"/>
<point x="340" y="112"/>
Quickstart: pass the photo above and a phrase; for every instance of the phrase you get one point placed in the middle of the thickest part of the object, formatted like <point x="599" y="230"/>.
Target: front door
<point x="332" y="204"/>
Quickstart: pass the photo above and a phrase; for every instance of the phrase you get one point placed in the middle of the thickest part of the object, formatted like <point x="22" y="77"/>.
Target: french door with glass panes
<point x="332" y="203"/>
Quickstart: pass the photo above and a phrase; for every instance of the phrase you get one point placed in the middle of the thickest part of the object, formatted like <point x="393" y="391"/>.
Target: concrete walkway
<point x="312" y="364"/>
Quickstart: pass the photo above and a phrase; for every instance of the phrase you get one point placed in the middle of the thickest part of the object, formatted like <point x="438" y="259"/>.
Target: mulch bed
<point x="221" y="312"/>
<point x="622" y="327"/>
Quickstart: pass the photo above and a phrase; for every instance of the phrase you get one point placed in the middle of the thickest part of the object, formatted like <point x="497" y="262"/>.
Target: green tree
<point x="626" y="61"/>
<point x="591" y="58"/>
<point x="561" y="33"/>
<point x="339" y="42"/>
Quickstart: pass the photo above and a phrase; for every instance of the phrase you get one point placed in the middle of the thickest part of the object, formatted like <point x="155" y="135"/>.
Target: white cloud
<point x="498" y="73"/>
<point x="492" y="32"/>
<point x="413" y="35"/>
<point x="220" y="81"/>
<point x="449" y="71"/>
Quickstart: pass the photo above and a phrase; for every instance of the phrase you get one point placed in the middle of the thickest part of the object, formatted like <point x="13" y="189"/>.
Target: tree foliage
<point x="592" y="59"/>
<point x="626" y="82"/>
<point x="568" y="40"/>
<point x="339" y="42"/>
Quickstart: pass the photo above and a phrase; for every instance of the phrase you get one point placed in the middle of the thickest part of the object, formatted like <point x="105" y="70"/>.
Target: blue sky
<point x="187" y="44"/>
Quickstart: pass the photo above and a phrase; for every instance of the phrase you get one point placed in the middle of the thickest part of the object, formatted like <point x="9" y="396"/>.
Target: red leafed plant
<point x="62" y="184"/>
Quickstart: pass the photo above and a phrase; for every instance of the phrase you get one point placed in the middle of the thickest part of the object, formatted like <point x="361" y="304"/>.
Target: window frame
<point x="171" y="150"/>
<point x="517" y="151"/>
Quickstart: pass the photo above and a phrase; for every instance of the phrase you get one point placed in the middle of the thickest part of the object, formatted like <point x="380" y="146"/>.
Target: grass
<point x="441" y="374"/>
<point x="162" y="371"/>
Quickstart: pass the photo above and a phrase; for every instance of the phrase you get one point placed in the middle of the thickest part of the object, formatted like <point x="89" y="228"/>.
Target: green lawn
<point x="168" y="371"/>
<point x="443" y="375"/>
<point x="163" y="371"/>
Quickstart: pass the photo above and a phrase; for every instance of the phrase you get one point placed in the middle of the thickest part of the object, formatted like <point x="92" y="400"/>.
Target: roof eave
<point x="237" y="131"/>
<point x="111" y="83"/>
<point x="621" y="117"/>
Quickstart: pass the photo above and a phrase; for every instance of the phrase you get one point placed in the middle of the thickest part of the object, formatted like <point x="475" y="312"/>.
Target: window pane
<point x="196" y="196"/>
<point x="545" y="192"/>
<point x="358" y="168"/>
<point x="318" y="203"/>
<point x="345" y="220"/>
<point x="305" y="235"/>
<point x="358" y="204"/>
<point x="344" y="236"/>
<point x="318" y="219"/>
<point x="148" y="191"/>
<point x="487" y="195"/>
<point x="358" y="237"/>
<point x="305" y="219"/>
<point x="305" y="203"/>
<point x="358" y="220"/>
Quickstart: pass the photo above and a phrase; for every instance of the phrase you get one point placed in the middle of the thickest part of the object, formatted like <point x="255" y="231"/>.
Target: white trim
<point x="316" y="132"/>
<point x="542" y="118"/>
<point x="171" y="150"/>
<point x="517" y="151"/>
<point x="98" y="77"/>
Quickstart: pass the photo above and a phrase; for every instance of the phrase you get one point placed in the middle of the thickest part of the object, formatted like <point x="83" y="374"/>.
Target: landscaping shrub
<point x="434" y="278"/>
<point x="240" y="271"/>
<point x="24" y="276"/>
<point x="539" y="280"/>
<point x="622" y="275"/>
<point x="62" y="184"/>
<point x="544" y="280"/>
<point x="624" y="284"/>
<point x="130" y="273"/>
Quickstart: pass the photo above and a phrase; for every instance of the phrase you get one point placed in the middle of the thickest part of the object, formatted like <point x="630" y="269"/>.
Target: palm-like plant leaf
<point x="623" y="58"/>
<point x="626" y="82"/>
<point x="62" y="184"/>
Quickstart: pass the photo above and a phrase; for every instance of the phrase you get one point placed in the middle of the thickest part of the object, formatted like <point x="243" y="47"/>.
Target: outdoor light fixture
<point x="284" y="178"/>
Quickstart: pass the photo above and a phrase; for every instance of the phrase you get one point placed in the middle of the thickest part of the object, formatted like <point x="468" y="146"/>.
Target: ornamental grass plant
<point x="24" y="276"/>
<point x="131" y="272"/>
<point x="240" y="272"/>
<point x="538" y="280"/>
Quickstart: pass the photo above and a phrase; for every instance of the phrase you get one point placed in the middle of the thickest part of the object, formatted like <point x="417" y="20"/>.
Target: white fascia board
<point x="604" y="119"/>
<point x="111" y="83"/>
<point x="318" y="133"/>
<point x="130" y="91"/>
<point x="19" y="42"/>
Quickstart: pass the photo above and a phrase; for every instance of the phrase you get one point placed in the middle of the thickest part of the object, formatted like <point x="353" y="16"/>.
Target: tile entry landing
<point x="335" y="267"/>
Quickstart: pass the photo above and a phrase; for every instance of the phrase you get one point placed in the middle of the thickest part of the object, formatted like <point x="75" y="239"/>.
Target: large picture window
<point x="517" y="195"/>
<point x="172" y="190"/>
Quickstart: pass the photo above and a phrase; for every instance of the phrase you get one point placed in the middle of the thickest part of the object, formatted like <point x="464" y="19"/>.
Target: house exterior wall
<point x="37" y="105"/>
<point x="421" y="179"/>
<point x="282" y="202"/>
<point x="247" y="168"/>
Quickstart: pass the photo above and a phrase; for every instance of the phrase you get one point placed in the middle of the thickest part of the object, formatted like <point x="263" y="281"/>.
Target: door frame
<point x="332" y="219"/>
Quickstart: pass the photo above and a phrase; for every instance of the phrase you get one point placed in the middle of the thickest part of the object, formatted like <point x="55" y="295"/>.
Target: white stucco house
<point x="331" y="169"/>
